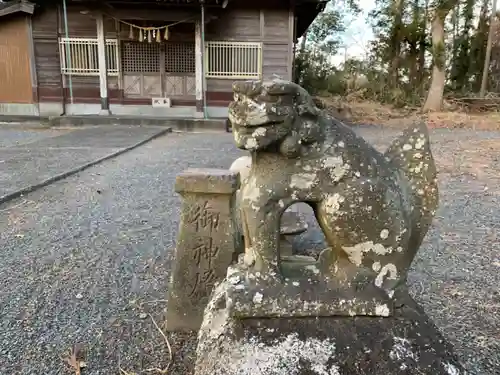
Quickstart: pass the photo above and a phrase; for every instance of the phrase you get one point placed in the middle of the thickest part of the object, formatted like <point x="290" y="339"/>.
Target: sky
<point x="357" y="34"/>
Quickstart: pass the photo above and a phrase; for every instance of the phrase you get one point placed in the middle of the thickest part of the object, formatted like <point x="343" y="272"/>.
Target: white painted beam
<point x="198" y="67"/>
<point x="103" y="69"/>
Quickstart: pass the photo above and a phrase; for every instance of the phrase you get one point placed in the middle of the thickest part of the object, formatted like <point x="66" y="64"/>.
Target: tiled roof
<point x="10" y="7"/>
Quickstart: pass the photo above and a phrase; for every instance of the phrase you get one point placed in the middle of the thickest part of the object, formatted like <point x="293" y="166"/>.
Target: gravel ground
<point x="12" y="136"/>
<point x="29" y="157"/>
<point x="86" y="260"/>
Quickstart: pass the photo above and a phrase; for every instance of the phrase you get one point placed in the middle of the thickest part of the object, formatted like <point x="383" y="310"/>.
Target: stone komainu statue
<point x="373" y="208"/>
<point x="347" y="312"/>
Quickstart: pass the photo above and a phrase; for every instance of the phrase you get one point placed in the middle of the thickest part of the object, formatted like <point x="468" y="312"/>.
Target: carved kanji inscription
<point x="206" y="243"/>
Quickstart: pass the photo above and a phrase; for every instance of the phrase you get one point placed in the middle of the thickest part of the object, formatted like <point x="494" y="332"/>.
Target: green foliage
<point x="325" y="31"/>
<point x="400" y="59"/>
<point x="313" y="70"/>
<point x="468" y="47"/>
<point x="327" y="25"/>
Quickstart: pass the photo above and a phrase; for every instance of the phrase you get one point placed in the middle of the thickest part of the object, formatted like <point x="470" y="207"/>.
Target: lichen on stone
<point x="451" y="369"/>
<point x="279" y="314"/>
<point x="370" y="206"/>
<point x="402" y="351"/>
<point x="282" y="357"/>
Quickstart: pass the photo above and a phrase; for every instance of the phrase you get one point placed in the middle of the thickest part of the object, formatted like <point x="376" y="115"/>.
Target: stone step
<point x="179" y="124"/>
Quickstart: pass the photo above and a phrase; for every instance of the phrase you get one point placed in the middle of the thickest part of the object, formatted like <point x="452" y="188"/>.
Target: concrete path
<point x="34" y="158"/>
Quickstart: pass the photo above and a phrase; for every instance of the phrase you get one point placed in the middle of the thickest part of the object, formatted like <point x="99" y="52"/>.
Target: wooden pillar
<point x="121" y="87"/>
<point x="103" y="70"/>
<point x="199" y="68"/>
<point x="31" y="49"/>
<point x="291" y="37"/>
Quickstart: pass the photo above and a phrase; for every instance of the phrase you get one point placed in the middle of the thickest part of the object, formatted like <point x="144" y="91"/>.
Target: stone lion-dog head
<point x="274" y="116"/>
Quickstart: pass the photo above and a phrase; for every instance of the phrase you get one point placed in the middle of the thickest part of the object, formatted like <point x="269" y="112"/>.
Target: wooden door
<point x="141" y="69"/>
<point x="158" y="69"/>
<point x="179" y="68"/>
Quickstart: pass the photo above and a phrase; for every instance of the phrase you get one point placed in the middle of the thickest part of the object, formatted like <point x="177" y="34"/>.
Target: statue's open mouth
<point x="256" y="119"/>
<point x="249" y="129"/>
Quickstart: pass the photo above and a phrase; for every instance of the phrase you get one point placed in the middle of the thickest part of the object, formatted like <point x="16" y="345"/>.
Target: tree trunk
<point x="396" y="34"/>
<point x="413" y="70"/>
<point x="455" y="68"/>
<point x="435" y="95"/>
<point x="303" y="42"/>
<point x="479" y="44"/>
<point x="486" y="68"/>
<point x="422" y="48"/>
<point x="413" y="40"/>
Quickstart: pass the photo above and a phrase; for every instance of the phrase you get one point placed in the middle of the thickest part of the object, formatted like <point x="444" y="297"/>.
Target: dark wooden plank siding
<point x="177" y="33"/>
<point x="217" y="84"/>
<point x="47" y="27"/>
<point x="48" y="66"/>
<point x="46" y="48"/>
<point x="83" y="25"/>
<point x="239" y="25"/>
<point x="275" y="60"/>
<point x="276" y="47"/>
<point x="269" y="26"/>
<point x="242" y="25"/>
<point x="276" y="26"/>
<point x="249" y="25"/>
<point x="93" y="82"/>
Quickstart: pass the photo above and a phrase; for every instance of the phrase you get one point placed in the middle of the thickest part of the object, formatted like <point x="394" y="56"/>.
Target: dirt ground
<point x="367" y="112"/>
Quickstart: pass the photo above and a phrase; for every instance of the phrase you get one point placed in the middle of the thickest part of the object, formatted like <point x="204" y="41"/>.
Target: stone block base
<point x="206" y="244"/>
<point x="406" y="343"/>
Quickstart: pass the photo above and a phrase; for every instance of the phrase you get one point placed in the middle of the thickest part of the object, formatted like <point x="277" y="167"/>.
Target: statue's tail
<point x="411" y="152"/>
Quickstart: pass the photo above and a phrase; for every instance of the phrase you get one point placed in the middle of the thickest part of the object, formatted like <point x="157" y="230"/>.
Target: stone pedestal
<point x="347" y="312"/>
<point x="206" y="245"/>
<point x="404" y="343"/>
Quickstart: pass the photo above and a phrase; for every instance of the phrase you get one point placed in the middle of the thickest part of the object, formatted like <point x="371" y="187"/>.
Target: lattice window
<point x="180" y="57"/>
<point x="233" y="60"/>
<point x="141" y="57"/>
<point x="79" y="56"/>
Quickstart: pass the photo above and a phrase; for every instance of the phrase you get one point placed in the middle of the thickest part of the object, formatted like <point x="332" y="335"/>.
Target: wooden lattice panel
<point x="144" y="64"/>
<point x="151" y="86"/>
<point x="233" y="60"/>
<point x="180" y="57"/>
<point x="141" y="57"/>
<point x="174" y="86"/>
<point x="132" y="85"/>
<point x="190" y="85"/>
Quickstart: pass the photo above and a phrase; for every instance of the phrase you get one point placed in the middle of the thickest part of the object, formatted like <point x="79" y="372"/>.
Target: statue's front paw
<point x="247" y="259"/>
